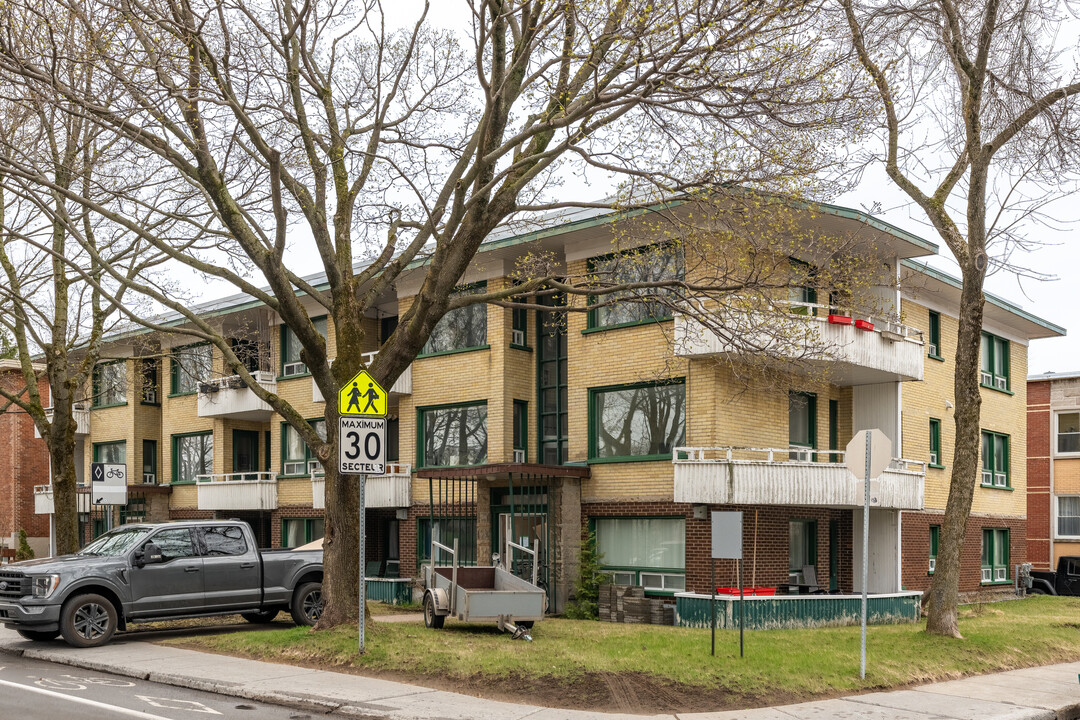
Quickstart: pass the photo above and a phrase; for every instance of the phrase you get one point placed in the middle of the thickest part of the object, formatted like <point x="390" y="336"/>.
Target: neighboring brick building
<point x="534" y="426"/>
<point x="24" y="463"/>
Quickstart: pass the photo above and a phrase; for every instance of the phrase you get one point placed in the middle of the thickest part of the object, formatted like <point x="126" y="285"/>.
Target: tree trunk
<point x="341" y="561"/>
<point x="61" y="443"/>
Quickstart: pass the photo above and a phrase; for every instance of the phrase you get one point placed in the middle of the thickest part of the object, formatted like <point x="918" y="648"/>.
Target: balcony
<point x="81" y="416"/>
<point x="402" y="386"/>
<point x="43" y="500"/>
<point x="391" y="490"/>
<point x="854" y="349"/>
<point x="238" y="491"/>
<point x="230" y="397"/>
<point x="789" y="476"/>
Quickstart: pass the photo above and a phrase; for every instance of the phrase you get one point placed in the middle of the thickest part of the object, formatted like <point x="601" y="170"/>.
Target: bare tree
<point x="407" y="147"/>
<point x="986" y="81"/>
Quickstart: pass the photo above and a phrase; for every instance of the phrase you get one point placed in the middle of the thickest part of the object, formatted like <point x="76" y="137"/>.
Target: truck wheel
<point x="87" y="621"/>
<point x="307" y="604"/>
<point x="260" y="617"/>
<point x="432" y="619"/>
<point x="38" y="635"/>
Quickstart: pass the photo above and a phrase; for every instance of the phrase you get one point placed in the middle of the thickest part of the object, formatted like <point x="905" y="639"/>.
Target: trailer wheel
<point x="432" y="619"/>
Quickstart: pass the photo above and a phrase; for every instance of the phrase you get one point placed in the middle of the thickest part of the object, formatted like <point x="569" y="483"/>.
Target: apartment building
<point x="24" y="461"/>
<point x="530" y="428"/>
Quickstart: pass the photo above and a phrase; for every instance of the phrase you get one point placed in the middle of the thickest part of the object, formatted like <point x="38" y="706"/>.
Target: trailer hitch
<point x="517" y="632"/>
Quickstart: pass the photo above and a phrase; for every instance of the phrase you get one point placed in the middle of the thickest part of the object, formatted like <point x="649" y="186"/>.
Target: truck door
<point x="1070" y="579"/>
<point x="231" y="572"/>
<point x="173" y="586"/>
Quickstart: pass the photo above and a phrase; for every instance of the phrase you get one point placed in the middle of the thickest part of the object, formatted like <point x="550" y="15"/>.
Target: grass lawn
<point x="653" y="669"/>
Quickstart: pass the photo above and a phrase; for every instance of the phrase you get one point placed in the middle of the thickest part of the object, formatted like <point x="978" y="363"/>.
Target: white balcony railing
<point x="79" y="414"/>
<point x="790" y="476"/>
<point x="858" y="349"/>
<point x="237" y="491"/>
<point x="231" y="397"/>
<point x="43" y="500"/>
<point x="392" y="490"/>
<point x="401" y="386"/>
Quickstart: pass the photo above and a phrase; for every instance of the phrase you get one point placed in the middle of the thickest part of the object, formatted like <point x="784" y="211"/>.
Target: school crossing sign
<point x="362" y="396"/>
<point x="362" y="427"/>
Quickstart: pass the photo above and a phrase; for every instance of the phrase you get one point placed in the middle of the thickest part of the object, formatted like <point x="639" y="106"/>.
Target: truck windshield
<point x="116" y="542"/>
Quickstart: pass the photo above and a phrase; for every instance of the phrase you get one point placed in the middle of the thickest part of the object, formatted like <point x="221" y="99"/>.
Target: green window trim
<point x="455" y="351"/>
<point x="935" y="539"/>
<point x="174" y="369"/>
<point x="310" y="527"/>
<point x="519" y="321"/>
<point x="834" y="430"/>
<point x="102" y="399"/>
<point x="935" y="444"/>
<point x="99" y="446"/>
<point x="476" y="288"/>
<point x="520" y="435"/>
<point x="996" y="472"/>
<point x="634" y="323"/>
<point x="594" y="449"/>
<point x="638" y="569"/>
<point x="151" y="468"/>
<point x="308" y="456"/>
<point x="811" y="442"/>
<point x="174" y="441"/>
<point x="286" y="333"/>
<point x="994" y="363"/>
<point x="592" y="321"/>
<point x="995" y="557"/>
<point x="933" y="331"/>
<point x="421" y="434"/>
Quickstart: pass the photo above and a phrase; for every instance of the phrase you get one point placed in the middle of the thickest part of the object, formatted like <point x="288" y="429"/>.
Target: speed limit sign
<point x="362" y="446"/>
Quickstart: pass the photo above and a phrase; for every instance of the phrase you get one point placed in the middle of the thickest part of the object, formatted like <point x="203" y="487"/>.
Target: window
<point x="834" y="430"/>
<point x="190" y="366"/>
<point x="134" y="511"/>
<point x="995" y="460"/>
<point x="802" y="425"/>
<point x="296" y="456"/>
<point x="802" y="296"/>
<point x="933" y="346"/>
<point x="935" y="443"/>
<point x="654" y="263"/>
<point x="935" y="537"/>
<point x="149" y="393"/>
<point x="110" y="384"/>
<point x="300" y="531"/>
<point x="462" y="529"/>
<point x="650" y="552"/>
<point x="222" y="540"/>
<point x="111" y="452"/>
<point x="994" y="362"/>
<point x="1068" y="516"/>
<point x="174" y="543"/>
<point x="1068" y="432"/>
<point x="149" y="461"/>
<point x="453" y="436"/>
<point x="193" y="455"/>
<point x="802" y="550"/>
<point x="291" y="365"/>
<point x="462" y="328"/>
<point x="637" y="421"/>
<point x="995" y="555"/>
<point x="521" y="431"/>
<point x="519" y="324"/>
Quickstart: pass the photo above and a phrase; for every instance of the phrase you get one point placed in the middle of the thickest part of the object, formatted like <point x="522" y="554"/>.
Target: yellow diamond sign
<point x="362" y="396"/>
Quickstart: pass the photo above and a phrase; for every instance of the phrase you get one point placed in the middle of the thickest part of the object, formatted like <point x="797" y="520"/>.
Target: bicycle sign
<point x="362" y="446"/>
<point x="109" y="483"/>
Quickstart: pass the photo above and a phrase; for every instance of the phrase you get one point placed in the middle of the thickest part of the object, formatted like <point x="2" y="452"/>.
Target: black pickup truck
<point x="149" y="572"/>
<point x="1066" y="581"/>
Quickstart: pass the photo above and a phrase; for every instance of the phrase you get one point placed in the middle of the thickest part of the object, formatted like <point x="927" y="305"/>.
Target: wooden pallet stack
<point x="628" y="604"/>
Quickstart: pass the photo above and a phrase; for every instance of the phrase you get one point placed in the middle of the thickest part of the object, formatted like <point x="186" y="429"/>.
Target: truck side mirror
<point x="150" y="554"/>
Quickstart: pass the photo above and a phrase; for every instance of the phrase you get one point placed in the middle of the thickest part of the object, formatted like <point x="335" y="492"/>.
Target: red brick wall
<point x="1038" y="474"/>
<point x="915" y="539"/>
<point x="24" y="463"/>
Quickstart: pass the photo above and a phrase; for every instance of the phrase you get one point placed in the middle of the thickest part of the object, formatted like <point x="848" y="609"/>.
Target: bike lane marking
<point x="84" y="701"/>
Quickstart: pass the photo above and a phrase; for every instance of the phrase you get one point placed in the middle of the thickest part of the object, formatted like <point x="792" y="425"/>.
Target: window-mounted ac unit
<point x="986" y="378"/>
<point x="1001" y="383"/>
<point x="294" y="368"/>
<point x="933" y="458"/>
<point x="517" y="337"/>
<point x="933" y="564"/>
<point x="933" y="349"/>
<point x="149" y="395"/>
<point x="149" y="479"/>
<point x="999" y="574"/>
<point x="519" y="456"/>
<point x="1001" y="480"/>
<point x="987" y="575"/>
<point x="987" y="477"/>
<point x="314" y="467"/>
<point x="295" y="467"/>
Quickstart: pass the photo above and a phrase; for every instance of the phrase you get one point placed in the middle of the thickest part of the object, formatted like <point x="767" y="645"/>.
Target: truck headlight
<point x="45" y="585"/>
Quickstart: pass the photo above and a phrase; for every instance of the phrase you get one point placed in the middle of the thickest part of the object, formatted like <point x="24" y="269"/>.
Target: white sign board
<point x="727" y="535"/>
<point x="108" y="484"/>
<point x="880" y="454"/>
<point x="362" y="445"/>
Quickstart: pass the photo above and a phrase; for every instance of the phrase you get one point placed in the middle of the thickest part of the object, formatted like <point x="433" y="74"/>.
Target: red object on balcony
<point x="864" y="324"/>
<point x="839" y="319"/>
<point x="760" y="591"/>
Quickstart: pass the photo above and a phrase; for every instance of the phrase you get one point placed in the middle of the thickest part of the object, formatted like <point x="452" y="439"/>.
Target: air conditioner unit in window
<point x="294" y="368"/>
<point x="933" y="564"/>
<point x="517" y="337"/>
<point x="933" y="458"/>
<point x="986" y="378"/>
<point x="987" y="575"/>
<point x="314" y="467"/>
<point x="987" y="477"/>
<point x="1001" y="383"/>
<point x="149" y="395"/>
<point x="295" y="467"/>
<point x="1001" y="480"/>
<point x="999" y="574"/>
<point x="519" y="456"/>
<point x="149" y="479"/>
<point x="933" y="349"/>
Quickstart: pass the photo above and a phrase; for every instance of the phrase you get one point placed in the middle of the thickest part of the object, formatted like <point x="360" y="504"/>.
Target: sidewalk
<point x="1045" y="693"/>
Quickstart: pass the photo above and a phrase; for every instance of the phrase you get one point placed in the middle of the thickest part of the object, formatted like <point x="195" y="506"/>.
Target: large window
<point x="935" y="443"/>
<point x="291" y="365"/>
<point x="461" y="328"/>
<point x="655" y="263"/>
<point x="935" y="539"/>
<point x="1068" y="432"/>
<point x="802" y="551"/>
<point x="637" y="421"/>
<point x="650" y="552"/>
<point x="995" y="460"/>
<point x="462" y="529"/>
<point x="933" y="345"/>
<point x="995" y="555"/>
<point x="521" y="431"/>
<point x="1068" y="516"/>
<point x="110" y="383"/>
<point x="111" y="452"/>
<point x="190" y="366"/>
<point x="296" y="456"/>
<point x="994" y="362"/>
<point x="193" y="455"/>
<point x="300" y="531"/>
<point x="802" y="425"/>
<point x="453" y="436"/>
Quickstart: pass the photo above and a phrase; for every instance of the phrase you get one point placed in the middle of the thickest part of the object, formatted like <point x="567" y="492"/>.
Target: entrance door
<point x="246" y="452"/>
<point x="834" y="555"/>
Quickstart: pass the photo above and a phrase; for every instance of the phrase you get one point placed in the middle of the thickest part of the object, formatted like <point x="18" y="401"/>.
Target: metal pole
<point x="713" y="607"/>
<point x="741" y="615"/>
<point x="865" y="553"/>
<point x="52" y="535"/>
<point x="363" y="558"/>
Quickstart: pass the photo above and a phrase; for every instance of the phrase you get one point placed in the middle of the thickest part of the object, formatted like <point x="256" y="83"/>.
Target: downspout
<point x="1052" y="530"/>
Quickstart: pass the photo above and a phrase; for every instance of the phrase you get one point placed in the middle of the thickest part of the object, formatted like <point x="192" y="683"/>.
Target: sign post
<point x="868" y="453"/>
<point x="108" y="486"/>
<point x="362" y="406"/>
<point x="727" y="544"/>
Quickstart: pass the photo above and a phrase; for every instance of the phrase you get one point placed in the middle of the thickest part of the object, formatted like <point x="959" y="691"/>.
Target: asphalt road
<point x="36" y="690"/>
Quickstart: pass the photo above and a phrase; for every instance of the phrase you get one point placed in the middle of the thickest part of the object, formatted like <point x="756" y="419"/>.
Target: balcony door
<point x="802" y="426"/>
<point x="246" y="453"/>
